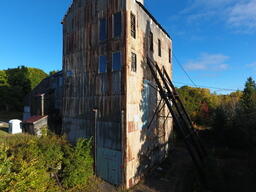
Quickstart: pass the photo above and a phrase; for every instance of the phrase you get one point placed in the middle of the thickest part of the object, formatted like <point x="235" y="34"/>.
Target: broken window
<point x="103" y="29"/>
<point x="133" y="25"/>
<point x="159" y="48"/>
<point x="134" y="62"/>
<point x="116" y="62"/>
<point x="102" y="64"/>
<point x="151" y="41"/>
<point x="117" y="24"/>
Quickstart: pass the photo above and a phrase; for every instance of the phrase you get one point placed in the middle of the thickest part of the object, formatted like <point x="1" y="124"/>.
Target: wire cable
<point x="184" y="70"/>
<point x="194" y="84"/>
<point x="209" y="87"/>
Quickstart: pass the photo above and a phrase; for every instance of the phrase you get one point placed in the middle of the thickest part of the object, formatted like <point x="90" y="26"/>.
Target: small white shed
<point x="15" y="126"/>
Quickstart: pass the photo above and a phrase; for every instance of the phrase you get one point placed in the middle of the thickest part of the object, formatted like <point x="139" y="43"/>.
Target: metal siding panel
<point x="108" y="165"/>
<point x="149" y="102"/>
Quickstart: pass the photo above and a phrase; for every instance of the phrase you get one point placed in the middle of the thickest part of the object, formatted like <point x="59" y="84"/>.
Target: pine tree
<point x="248" y="100"/>
<point x="246" y="116"/>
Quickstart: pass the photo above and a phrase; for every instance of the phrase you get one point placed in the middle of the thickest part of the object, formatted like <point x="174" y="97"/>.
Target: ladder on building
<point x="181" y="119"/>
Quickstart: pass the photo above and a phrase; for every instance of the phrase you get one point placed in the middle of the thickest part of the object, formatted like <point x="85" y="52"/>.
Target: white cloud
<point x="238" y="14"/>
<point x="243" y="15"/>
<point x="252" y="65"/>
<point x="206" y="61"/>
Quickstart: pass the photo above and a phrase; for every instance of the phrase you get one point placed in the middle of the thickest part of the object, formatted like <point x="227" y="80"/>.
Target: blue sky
<point x="214" y="40"/>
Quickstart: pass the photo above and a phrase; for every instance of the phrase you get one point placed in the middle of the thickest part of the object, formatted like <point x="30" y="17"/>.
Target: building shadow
<point x="154" y="149"/>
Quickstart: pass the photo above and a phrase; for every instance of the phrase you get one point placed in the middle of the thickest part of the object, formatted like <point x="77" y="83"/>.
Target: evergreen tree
<point x="248" y="101"/>
<point x="246" y="112"/>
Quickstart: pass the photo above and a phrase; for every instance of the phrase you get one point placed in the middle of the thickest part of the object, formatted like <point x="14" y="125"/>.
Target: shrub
<point x="27" y="171"/>
<point x="77" y="164"/>
<point x="50" y="148"/>
<point x="29" y="163"/>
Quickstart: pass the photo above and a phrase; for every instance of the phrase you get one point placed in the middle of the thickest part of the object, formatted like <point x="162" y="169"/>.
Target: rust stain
<point x="132" y="126"/>
<point x="130" y="155"/>
<point x="130" y="182"/>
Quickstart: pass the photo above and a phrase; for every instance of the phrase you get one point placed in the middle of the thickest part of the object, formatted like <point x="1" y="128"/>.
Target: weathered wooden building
<point x="109" y="93"/>
<point x="46" y="99"/>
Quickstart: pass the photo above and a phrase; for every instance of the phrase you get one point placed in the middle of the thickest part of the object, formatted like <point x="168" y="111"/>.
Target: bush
<point x="27" y="170"/>
<point x="29" y="163"/>
<point x="78" y="164"/>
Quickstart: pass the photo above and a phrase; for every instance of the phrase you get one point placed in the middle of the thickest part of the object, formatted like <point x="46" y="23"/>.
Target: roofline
<point x="141" y="5"/>
<point x="67" y="12"/>
<point x="153" y="18"/>
<point x="35" y="121"/>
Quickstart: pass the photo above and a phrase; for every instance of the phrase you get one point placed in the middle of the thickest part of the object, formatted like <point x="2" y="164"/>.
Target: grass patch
<point x="3" y="132"/>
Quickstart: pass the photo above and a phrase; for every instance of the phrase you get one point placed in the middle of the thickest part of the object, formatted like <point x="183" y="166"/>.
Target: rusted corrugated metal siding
<point x="124" y="100"/>
<point x="85" y="88"/>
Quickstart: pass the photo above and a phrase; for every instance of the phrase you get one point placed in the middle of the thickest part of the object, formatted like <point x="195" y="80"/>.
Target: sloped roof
<point x="34" y="119"/>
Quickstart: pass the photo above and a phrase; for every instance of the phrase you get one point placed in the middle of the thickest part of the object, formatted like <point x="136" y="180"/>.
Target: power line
<point x="209" y="87"/>
<point x="194" y="84"/>
<point x="184" y="70"/>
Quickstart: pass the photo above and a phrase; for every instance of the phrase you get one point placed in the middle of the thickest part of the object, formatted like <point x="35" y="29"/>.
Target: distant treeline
<point x="15" y="84"/>
<point x="231" y="118"/>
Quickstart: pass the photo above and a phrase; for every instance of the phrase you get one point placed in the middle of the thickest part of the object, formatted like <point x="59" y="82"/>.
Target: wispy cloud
<point x="238" y="14"/>
<point x="243" y="15"/>
<point x="252" y="65"/>
<point x="206" y="61"/>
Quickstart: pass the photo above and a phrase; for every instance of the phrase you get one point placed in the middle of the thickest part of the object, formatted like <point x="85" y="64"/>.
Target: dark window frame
<point x="133" y="25"/>
<point x="151" y="41"/>
<point x="103" y="30"/>
<point x="134" y="62"/>
<point x="100" y="64"/>
<point x="117" y="24"/>
<point x="170" y="55"/>
<point x="159" y="48"/>
<point x="116" y="67"/>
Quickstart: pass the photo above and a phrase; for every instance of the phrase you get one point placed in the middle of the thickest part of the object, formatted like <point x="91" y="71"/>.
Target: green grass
<point x="3" y="133"/>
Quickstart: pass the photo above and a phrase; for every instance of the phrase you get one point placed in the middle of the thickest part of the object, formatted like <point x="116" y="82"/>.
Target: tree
<point x="3" y="78"/>
<point x="53" y="72"/>
<point x="15" y="84"/>
<point x="36" y="76"/>
<point x="248" y="101"/>
<point x="199" y="103"/>
<point x="246" y="111"/>
<point x="4" y="91"/>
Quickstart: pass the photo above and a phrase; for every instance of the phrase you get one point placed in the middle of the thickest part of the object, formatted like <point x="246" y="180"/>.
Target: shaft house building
<point x="109" y="93"/>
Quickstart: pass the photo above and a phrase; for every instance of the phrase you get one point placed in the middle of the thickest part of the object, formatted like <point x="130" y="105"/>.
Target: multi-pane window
<point x="103" y="29"/>
<point x="151" y="41"/>
<point x="134" y="62"/>
<point x="117" y="24"/>
<point x="133" y="25"/>
<point x="102" y="64"/>
<point x="159" y="48"/>
<point x="116" y="61"/>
